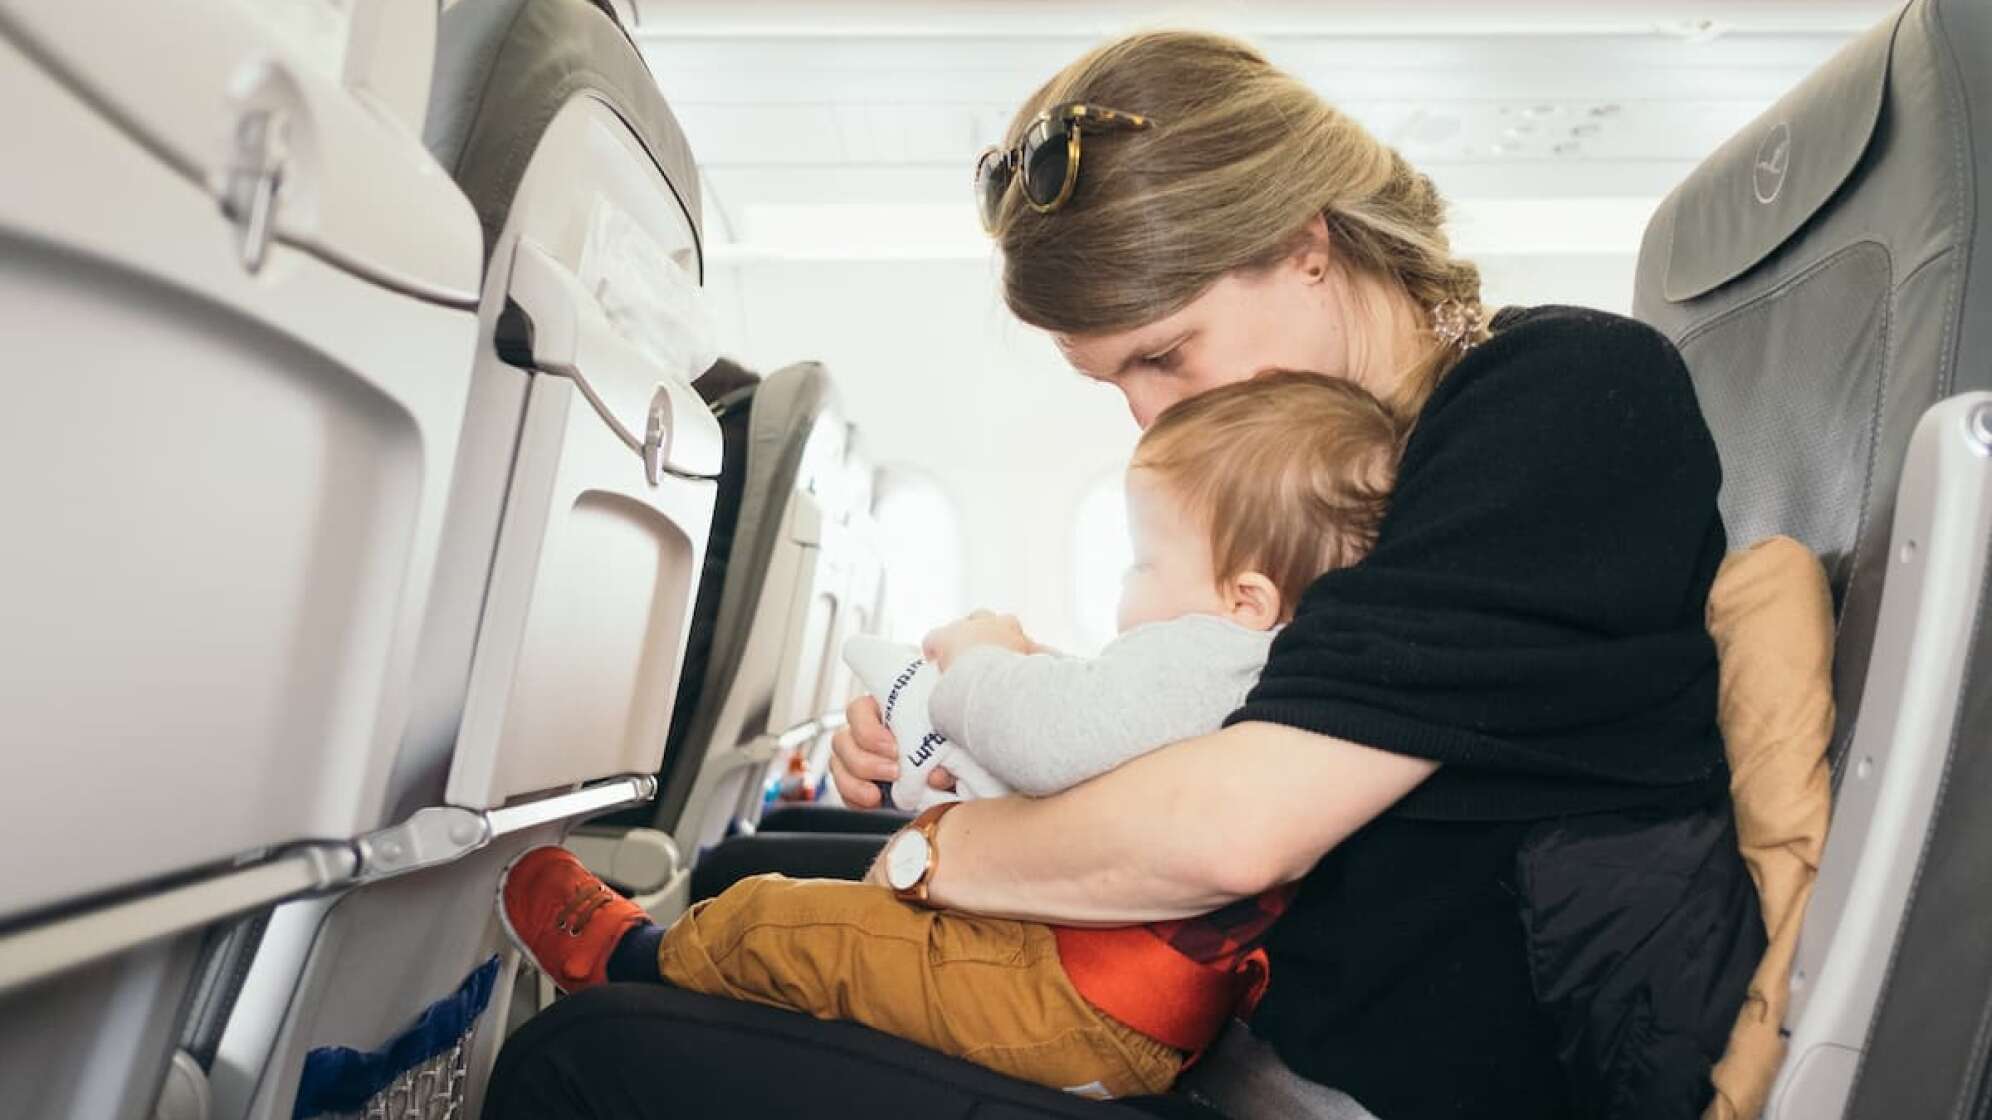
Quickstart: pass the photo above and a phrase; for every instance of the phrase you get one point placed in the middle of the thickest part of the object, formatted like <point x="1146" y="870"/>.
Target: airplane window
<point x="920" y="544"/>
<point x="1100" y="556"/>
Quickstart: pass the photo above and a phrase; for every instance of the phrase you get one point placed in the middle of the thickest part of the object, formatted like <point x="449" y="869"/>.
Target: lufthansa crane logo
<point x="1773" y="161"/>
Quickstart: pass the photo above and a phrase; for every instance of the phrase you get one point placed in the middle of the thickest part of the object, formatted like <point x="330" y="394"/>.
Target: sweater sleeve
<point x="1531" y="615"/>
<point x="1044" y="722"/>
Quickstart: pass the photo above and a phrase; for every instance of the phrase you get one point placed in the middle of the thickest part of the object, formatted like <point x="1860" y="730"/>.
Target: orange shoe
<point x="562" y="917"/>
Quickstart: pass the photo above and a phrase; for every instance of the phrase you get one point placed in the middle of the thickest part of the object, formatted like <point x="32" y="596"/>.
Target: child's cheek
<point x="1137" y="603"/>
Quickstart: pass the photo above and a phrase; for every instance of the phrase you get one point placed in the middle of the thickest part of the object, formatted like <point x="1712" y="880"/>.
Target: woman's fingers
<point x="939" y="778"/>
<point x="867" y="723"/>
<point x="855" y="791"/>
<point x="862" y="753"/>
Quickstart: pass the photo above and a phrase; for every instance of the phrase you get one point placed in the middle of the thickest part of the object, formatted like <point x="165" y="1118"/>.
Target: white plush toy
<point x="902" y="680"/>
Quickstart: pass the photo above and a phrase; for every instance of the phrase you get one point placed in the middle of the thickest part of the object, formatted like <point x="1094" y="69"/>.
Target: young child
<point x="1238" y="499"/>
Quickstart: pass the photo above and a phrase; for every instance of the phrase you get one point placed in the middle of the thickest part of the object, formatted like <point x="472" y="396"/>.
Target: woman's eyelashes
<point x="1168" y="358"/>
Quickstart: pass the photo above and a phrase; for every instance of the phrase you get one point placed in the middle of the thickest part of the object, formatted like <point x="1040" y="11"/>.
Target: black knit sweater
<point x="1531" y="616"/>
<point x="1532" y="619"/>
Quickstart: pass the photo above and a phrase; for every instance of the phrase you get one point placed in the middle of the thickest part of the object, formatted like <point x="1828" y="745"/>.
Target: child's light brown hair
<point x="1290" y="472"/>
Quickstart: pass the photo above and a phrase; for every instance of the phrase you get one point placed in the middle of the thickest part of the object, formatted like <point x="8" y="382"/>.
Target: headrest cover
<point x="1765" y="183"/>
<point x="504" y="69"/>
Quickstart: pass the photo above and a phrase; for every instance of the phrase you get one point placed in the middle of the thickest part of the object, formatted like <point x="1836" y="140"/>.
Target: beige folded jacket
<point x="1771" y="615"/>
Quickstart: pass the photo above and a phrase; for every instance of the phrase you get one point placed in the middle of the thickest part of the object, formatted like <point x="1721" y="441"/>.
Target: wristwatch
<point x="911" y="855"/>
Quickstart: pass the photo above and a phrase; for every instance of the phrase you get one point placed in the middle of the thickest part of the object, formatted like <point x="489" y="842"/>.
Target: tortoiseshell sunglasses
<point x="1048" y="156"/>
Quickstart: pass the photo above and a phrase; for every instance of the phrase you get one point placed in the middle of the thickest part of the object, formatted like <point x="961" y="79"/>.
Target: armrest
<point x="639" y="860"/>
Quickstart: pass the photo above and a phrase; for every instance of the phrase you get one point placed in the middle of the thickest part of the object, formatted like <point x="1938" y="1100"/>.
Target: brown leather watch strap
<point x="927" y="824"/>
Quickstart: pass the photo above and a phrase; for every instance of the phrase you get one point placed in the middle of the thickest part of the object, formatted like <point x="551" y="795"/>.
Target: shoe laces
<point x="588" y="899"/>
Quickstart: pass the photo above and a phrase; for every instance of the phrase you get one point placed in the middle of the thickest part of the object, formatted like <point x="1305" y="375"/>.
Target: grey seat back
<point x="224" y="500"/>
<point x="801" y="574"/>
<point x="505" y="70"/>
<point x="786" y="411"/>
<point x="795" y="449"/>
<point x="1826" y="276"/>
<point x="577" y="522"/>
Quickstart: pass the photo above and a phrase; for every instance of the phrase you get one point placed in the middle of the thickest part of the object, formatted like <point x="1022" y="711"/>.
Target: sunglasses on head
<point x="1045" y="162"/>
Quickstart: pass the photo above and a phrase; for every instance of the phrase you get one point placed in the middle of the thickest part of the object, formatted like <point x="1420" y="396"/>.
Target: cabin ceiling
<point x="847" y="129"/>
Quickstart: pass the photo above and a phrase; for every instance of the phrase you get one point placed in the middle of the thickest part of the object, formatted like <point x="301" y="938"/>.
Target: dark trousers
<point x="647" y="1051"/>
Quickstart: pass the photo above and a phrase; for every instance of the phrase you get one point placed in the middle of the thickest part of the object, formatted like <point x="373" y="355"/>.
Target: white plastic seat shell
<point x="227" y="501"/>
<point x="578" y="520"/>
<point x="591" y="589"/>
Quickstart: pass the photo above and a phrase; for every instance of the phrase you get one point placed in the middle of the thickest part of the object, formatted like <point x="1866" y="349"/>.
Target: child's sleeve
<point x="1044" y="722"/>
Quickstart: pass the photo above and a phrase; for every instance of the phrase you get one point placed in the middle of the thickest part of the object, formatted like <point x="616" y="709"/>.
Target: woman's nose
<point x="1145" y="404"/>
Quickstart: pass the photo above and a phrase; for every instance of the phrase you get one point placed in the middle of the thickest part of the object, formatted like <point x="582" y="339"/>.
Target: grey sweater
<point x="1043" y="722"/>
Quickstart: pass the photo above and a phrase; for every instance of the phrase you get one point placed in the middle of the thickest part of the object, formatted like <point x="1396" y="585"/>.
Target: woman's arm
<point x="1178" y="832"/>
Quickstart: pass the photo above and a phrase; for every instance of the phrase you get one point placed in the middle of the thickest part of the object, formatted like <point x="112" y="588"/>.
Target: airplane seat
<point x="1827" y="275"/>
<point x="550" y="653"/>
<point x="622" y="846"/>
<point x="779" y="604"/>
<point x="728" y="389"/>
<point x="788" y="686"/>
<point x="225" y="503"/>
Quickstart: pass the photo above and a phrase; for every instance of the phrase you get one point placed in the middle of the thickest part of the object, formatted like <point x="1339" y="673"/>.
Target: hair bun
<point x="1459" y="323"/>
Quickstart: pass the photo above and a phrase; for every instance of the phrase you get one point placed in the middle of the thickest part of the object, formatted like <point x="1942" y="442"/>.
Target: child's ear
<point x="1255" y="602"/>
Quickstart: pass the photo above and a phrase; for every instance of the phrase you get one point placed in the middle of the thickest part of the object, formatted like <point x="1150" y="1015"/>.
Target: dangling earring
<point x="1457" y="323"/>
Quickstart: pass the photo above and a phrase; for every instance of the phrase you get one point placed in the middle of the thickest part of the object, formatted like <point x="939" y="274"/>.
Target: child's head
<point x="1239" y="497"/>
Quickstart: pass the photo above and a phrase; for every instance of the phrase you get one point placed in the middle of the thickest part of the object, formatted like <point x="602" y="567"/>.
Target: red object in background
<point x="795" y="783"/>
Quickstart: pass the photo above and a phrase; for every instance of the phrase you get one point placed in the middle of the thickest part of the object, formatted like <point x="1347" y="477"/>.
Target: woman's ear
<point x="1311" y="253"/>
<point x="1253" y="600"/>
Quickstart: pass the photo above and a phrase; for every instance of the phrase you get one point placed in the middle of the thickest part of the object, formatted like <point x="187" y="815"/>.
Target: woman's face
<point x="1293" y="315"/>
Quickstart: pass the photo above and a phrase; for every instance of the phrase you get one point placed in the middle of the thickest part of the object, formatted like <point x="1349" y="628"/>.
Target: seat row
<point x="379" y="510"/>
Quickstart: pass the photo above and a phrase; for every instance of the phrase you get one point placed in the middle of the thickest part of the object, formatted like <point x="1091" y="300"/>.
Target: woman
<point x="1488" y="754"/>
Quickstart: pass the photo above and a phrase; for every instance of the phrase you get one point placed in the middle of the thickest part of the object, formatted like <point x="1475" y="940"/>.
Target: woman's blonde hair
<point x="1243" y="157"/>
<point x="1289" y="473"/>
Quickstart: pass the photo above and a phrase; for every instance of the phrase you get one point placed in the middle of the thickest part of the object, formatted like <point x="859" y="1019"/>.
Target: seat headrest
<point x="1762" y="186"/>
<point x="504" y="70"/>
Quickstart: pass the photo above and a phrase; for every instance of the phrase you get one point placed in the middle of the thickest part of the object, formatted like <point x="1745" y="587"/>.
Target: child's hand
<point x="981" y="628"/>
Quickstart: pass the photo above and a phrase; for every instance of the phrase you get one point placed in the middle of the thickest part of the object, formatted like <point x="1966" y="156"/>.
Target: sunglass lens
<point x="1045" y="159"/>
<point x="992" y="178"/>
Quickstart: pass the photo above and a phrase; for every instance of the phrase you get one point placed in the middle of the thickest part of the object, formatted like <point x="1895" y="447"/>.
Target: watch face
<point x="906" y="860"/>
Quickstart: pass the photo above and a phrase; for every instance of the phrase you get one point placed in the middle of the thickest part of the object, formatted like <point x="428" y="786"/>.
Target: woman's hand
<point x="981" y="628"/>
<point x="864" y="753"/>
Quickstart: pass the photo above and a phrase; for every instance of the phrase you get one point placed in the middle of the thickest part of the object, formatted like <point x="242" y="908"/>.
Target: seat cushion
<point x="1772" y="619"/>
